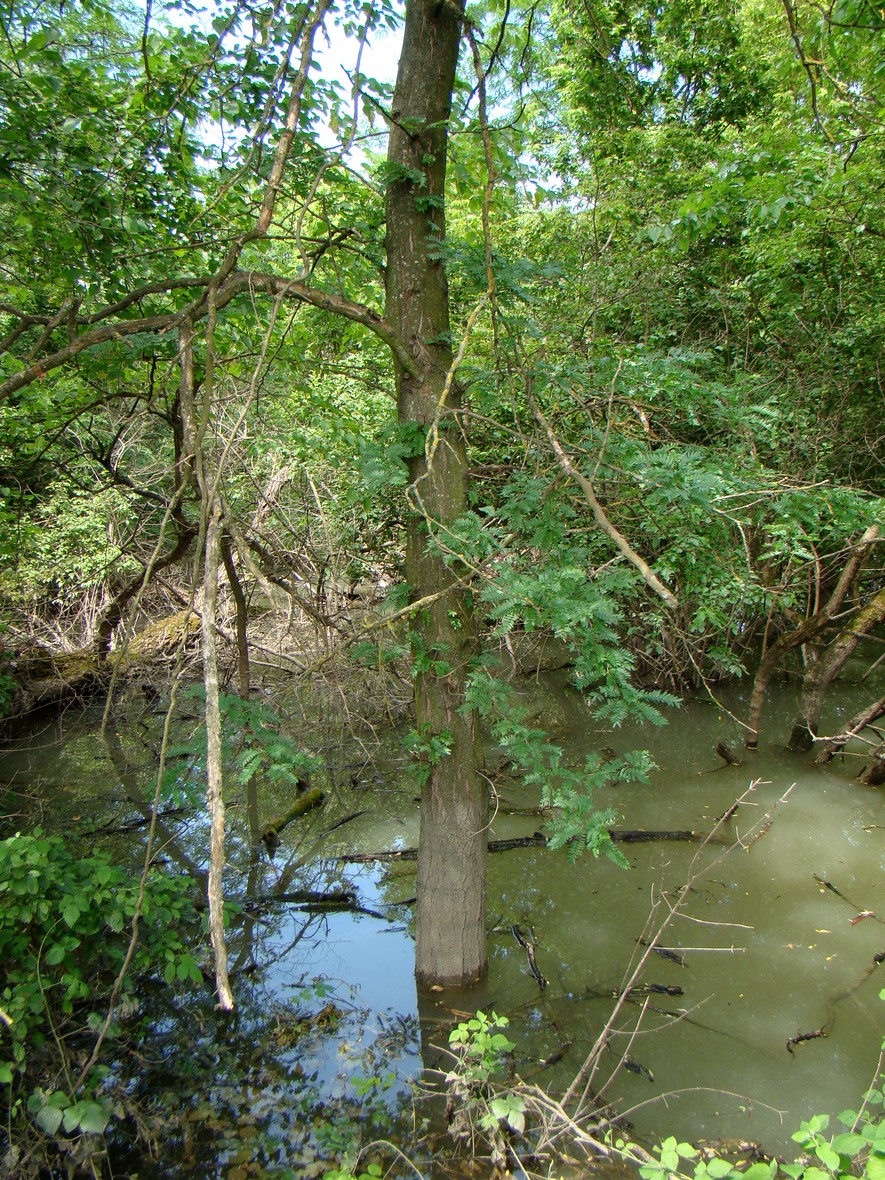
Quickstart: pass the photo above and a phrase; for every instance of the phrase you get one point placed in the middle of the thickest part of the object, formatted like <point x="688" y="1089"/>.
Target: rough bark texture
<point x="236" y="589"/>
<point x="451" y="943"/>
<point x="821" y="674"/>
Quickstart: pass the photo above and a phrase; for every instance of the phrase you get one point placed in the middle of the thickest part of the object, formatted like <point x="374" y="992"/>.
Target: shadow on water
<point x="328" y="1030"/>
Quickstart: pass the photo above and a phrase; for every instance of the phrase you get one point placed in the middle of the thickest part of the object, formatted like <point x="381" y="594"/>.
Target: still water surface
<point x="769" y="952"/>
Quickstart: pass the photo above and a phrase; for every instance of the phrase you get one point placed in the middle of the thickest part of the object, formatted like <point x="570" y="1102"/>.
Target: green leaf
<point x="92" y="1117"/>
<point x="827" y="1156"/>
<point x="849" y="1143"/>
<point x="49" y="1119"/>
<point x="718" y="1168"/>
<point x="55" y="954"/>
<point x="758" y="1172"/>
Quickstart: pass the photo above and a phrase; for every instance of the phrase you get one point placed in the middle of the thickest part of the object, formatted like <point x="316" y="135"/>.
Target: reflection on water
<point x="768" y="950"/>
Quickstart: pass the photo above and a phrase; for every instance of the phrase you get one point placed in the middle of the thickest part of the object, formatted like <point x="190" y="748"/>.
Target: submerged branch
<point x="537" y="840"/>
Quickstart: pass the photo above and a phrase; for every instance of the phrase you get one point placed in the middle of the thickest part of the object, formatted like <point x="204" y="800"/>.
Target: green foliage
<point x="427" y="748"/>
<point x="371" y="1172"/>
<point x="64" y="932"/>
<point x="8" y="687"/>
<point x="577" y="825"/>
<point x="54" y="1111"/>
<point x="253" y="741"/>
<point x="69" y="543"/>
<point x="479" y="1046"/>
<point x="857" y="1152"/>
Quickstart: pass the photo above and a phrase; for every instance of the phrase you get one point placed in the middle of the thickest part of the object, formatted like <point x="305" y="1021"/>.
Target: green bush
<point x="64" y="932"/>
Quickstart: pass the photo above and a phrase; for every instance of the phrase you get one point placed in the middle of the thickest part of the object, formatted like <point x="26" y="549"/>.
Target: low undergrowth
<point x="65" y="937"/>
<point x="506" y="1124"/>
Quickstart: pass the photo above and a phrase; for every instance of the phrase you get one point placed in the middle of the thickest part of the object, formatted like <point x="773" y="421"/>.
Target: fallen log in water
<point x="315" y="901"/>
<point x="47" y="678"/>
<point x="270" y="837"/>
<point x="537" y="840"/>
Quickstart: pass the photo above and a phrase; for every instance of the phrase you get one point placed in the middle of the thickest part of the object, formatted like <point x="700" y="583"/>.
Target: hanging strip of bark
<point x="855" y="726"/>
<point x="648" y="576"/>
<point x="214" y="797"/>
<point x="829" y="665"/>
<point x="802" y="634"/>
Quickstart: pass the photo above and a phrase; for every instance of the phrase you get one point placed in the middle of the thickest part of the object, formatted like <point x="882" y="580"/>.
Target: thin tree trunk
<point x="802" y="634"/>
<point x="214" y="779"/>
<point x="451" y="943"/>
<point x="821" y="674"/>
<point x="239" y="597"/>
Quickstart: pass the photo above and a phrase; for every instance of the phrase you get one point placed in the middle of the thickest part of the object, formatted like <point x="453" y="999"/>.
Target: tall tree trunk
<point x="451" y="943"/>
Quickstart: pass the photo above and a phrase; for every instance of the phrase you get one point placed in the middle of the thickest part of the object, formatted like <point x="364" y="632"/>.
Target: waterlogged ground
<point x="328" y="1029"/>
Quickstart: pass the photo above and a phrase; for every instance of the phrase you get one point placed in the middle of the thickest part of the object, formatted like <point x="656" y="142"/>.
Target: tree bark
<point x="214" y="774"/>
<point x="803" y="633"/>
<point x="873" y="775"/>
<point x="821" y="674"/>
<point x="451" y="942"/>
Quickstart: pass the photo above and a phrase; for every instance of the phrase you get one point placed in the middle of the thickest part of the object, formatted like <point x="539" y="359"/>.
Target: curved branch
<point x="236" y="284"/>
<point x="648" y="576"/>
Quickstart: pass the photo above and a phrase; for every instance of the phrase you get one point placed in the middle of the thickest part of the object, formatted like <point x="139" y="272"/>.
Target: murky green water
<point x="767" y="949"/>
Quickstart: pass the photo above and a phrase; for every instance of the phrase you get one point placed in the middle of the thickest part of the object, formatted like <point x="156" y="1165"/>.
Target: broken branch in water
<point x="823" y="1031"/>
<point x="528" y="945"/>
<point x="270" y="837"/>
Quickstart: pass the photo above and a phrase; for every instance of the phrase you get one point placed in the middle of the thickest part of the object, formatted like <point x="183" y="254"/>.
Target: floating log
<point x="315" y="901"/>
<point x="309" y="897"/>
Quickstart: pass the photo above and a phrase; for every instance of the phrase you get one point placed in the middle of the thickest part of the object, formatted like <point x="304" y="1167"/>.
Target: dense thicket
<point x="634" y="280"/>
